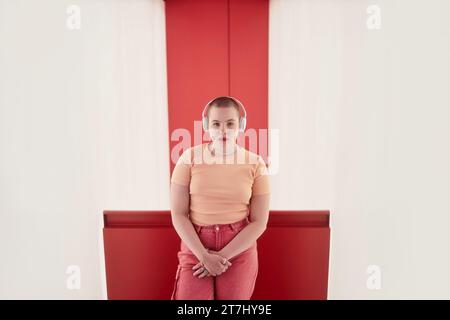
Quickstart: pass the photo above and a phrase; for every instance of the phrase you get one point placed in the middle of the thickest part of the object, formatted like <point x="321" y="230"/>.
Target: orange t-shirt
<point x="220" y="187"/>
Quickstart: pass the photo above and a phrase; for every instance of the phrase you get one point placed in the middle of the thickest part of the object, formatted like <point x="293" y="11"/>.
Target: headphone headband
<point x="241" y="106"/>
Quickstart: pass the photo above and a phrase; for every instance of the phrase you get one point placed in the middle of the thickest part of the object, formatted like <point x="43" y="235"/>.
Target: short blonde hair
<point x="223" y="102"/>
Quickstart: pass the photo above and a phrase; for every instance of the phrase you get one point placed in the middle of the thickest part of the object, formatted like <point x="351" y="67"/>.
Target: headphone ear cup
<point x="242" y="124"/>
<point x="205" y="123"/>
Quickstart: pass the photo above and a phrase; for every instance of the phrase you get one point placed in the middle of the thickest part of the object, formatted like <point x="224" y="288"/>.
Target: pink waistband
<point x="219" y="227"/>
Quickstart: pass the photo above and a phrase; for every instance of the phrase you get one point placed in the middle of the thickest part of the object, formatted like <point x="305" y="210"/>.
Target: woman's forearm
<point x="243" y="240"/>
<point x="188" y="235"/>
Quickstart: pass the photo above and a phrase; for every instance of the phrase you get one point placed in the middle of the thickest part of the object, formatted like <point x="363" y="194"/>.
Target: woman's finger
<point x="227" y="265"/>
<point x="226" y="262"/>
<point x="203" y="274"/>
<point x="200" y="270"/>
<point x="198" y="265"/>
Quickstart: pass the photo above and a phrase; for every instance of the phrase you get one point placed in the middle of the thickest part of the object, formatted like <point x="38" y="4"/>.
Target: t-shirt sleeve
<point x="261" y="180"/>
<point x="182" y="172"/>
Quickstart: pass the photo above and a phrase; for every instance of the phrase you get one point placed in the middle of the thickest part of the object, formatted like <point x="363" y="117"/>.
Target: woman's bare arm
<point x="259" y="215"/>
<point x="179" y="206"/>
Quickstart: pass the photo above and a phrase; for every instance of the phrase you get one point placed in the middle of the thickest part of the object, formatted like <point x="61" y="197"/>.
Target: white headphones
<point x="242" y="119"/>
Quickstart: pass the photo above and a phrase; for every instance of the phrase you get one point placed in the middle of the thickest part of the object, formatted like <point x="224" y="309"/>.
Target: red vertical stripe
<point x="216" y="48"/>
<point x="249" y="48"/>
<point x="197" y="60"/>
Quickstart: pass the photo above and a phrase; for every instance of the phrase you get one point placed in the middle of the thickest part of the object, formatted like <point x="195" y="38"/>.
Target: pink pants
<point x="236" y="283"/>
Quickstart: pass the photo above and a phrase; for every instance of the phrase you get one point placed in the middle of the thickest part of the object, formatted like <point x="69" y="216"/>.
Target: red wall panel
<point x="141" y="255"/>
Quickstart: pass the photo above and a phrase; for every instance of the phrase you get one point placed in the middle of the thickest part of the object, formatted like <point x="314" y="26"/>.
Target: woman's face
<point x="223" y="124"/>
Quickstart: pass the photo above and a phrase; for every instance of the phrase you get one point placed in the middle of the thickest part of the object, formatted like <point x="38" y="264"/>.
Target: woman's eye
<point x="230" y="124"/>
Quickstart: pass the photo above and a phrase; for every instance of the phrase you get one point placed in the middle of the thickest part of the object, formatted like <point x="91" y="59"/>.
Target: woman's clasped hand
<point x="211" y="264"/>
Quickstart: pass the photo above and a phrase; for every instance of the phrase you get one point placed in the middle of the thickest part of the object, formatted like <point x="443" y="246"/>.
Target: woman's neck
<point x="217" y="148"/>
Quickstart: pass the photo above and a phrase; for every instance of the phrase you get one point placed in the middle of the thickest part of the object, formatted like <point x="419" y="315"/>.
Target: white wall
<point x="83" y="120"/>
<point x="363" y="118"/>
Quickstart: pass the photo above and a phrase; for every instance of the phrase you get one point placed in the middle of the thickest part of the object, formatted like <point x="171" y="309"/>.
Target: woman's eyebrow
<point x="225" y="120"/>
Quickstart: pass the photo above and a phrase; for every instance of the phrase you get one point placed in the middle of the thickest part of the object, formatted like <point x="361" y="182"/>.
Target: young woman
<point x="219" y="206"/>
